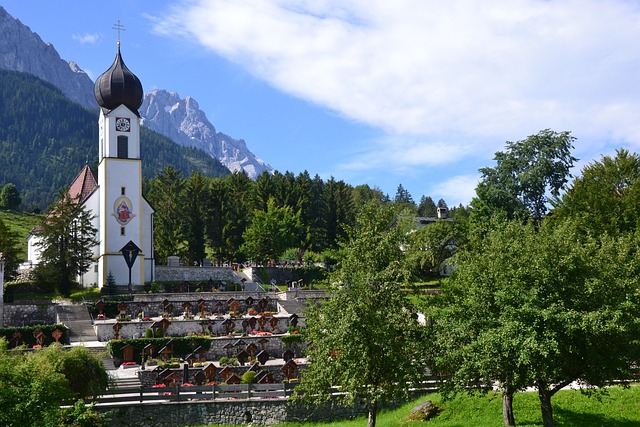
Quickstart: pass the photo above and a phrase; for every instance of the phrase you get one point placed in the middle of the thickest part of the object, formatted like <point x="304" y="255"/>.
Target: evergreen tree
<point x="340" y="210"/>
<point x="236" y="211"/>
<point x="194" y="218"/>
<point x="166" y="196"/>
<point x="263" y="190"/>
<point x="427" y="207"/>
<point x="403" y="196"/>
<point x="215" y="220"/>
<point x="67" y="241"/>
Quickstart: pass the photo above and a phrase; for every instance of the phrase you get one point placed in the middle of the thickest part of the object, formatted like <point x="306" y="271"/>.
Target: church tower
<point x="124" y="215"/>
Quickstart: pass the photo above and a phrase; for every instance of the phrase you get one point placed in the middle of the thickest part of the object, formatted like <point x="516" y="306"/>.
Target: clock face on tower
<point x="123" y="124"/>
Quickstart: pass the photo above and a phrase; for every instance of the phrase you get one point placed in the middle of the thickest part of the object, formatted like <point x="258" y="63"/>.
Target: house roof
<point x="83" y="185"/>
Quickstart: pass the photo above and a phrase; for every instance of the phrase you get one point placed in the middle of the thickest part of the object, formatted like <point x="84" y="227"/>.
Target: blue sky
<point x="418" y="92"/>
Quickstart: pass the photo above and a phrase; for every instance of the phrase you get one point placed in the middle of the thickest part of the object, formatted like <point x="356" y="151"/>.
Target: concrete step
<point x="291" y="306"/>
<point x="76" y="317"/>
<point x="125" y="382"/>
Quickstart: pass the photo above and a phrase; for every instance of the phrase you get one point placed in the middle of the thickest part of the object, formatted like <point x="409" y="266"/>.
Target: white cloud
<point x="458" y="189"/>
<point x="426" y="70"/>
<point x="88" y="38"/>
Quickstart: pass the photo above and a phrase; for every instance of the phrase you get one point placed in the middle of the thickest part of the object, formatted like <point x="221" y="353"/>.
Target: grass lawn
<point x="77" y="295"/>
<point x="620" y="408"/>
<point x="21" y="223"/>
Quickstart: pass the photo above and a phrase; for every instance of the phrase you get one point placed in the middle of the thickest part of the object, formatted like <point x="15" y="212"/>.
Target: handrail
<point x="216" y="392"/>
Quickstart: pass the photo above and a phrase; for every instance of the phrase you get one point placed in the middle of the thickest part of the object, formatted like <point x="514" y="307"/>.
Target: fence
<point x="183" y="393"/>
<point x="215" y="392"/>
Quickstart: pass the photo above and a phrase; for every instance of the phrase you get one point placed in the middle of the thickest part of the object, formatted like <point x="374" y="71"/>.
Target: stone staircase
<point x="291" y="306"/>
<point x="76" y="318"/>
<point x="120" y="382"/>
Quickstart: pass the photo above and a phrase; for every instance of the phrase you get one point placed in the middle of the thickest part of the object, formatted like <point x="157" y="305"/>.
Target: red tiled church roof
<point x="84" y="185"/>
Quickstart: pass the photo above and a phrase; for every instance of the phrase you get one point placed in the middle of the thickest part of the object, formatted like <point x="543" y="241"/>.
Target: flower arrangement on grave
<point x="212" y="383"/>
<point x="101" y="316"/>
<point x="123" y="318"/>
<point x="37" y="346"/>
<point x="159" y="386"/>
<point x="187" y="385"/>
<point x="252" y="312"/>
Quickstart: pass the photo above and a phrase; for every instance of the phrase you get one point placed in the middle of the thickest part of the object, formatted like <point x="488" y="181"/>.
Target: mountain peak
<point x="183" y="121"/>
<point x="23" y="50"/>
<point x="162" y="111"/>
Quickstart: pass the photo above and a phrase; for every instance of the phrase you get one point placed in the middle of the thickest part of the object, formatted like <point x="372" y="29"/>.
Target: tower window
<point x="123" y="191"/>
<point x="123" y="147"/>
<point x="122" y="231"/>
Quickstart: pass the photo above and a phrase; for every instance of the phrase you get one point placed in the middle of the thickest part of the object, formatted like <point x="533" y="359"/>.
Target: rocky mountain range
<point x="183" y="121"/>
<point x="23" y="50"/>
<point x="164" y="112"/>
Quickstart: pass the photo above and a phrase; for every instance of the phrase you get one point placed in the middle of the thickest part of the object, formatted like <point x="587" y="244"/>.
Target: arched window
<point x="123" y="147"/>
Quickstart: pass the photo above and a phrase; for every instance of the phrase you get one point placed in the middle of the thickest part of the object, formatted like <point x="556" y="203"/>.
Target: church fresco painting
<point x="123" y="210"/>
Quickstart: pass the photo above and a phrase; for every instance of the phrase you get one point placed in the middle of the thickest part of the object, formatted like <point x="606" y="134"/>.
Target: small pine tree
<point x="109" y="287"/>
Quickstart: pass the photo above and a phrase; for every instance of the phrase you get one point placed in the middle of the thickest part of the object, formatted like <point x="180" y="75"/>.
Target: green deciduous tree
<point x="524" y="175"/>
<point x="606" y="197"/>
<point x="10" y="250"/>
<point x="271" y="232"/>
<point x="10" y="197"/>
<point x="429" y="246"/>
<point x="538" y="307"/>
<point x="66" y="239"/>
<point x="34" y="385"/>
<point x="366" y="337"/>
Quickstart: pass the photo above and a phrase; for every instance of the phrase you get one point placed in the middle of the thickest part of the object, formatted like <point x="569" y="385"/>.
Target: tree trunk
<point x="507" y="408"/>
<point x="373" y="409"/>
<point x="545" y="407"/>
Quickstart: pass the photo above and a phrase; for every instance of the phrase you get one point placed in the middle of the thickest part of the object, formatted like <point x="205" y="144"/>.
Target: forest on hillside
<point x="46" y="139"/>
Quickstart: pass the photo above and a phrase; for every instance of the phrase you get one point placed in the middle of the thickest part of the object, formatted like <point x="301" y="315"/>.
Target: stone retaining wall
<point x="258" y="412"/>
<point x="27" y="313"/>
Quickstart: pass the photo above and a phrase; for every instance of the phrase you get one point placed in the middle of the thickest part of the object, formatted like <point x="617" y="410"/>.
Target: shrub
<point x="148" y="333"/>
<point x="81" y="415"/>
<point x="248" y="377"/>
<point x="224" y="360"/>
<point x="159" y="333"/>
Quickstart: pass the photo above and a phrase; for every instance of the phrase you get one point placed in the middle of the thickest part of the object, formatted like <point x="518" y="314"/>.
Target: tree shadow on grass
<point x="568" y="418"/>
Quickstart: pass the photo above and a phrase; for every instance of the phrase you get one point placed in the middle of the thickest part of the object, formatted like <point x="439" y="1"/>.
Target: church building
<point x="123" y="218"/>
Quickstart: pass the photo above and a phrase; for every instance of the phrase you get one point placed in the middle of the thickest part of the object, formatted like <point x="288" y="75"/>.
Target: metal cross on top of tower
<point x="118" y="27"/>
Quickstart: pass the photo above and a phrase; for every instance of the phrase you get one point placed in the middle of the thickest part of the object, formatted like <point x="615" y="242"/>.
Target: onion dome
<point x="118" y="86"/>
